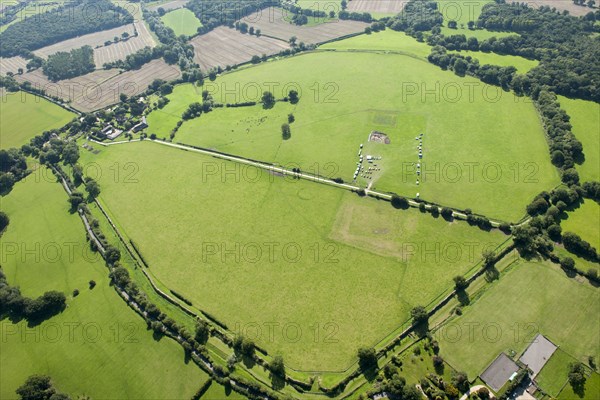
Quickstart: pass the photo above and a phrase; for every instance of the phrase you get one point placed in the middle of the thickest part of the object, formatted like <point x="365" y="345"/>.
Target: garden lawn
<point x="591" y="390"/>
<point x="182" y="21"/>
<point x="585" y="221"/>
<point x="531" y="298"/>
<point x="585" y="118"/>
<point x="330" y="270"/>
<point x="24" y="116"/>
<point x="481" y="145"/>
<point x="554" y="375"/>
<point x="109" y="353"/>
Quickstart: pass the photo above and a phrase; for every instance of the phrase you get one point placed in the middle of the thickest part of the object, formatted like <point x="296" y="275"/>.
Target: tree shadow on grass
<point x="449" y="218"/>
<point x="277" y="382"/>
<point x="228" y="388"/>
<point x="421" y="329"/>
<point x="249" y="362"/>
<point x="579" y="389"/>
<point x="463" y="297"/>
<point x="370" y="374"/>
<point x="491" y="274"/>
<point x="439" y="369"/>
<point x="157" y="336"/>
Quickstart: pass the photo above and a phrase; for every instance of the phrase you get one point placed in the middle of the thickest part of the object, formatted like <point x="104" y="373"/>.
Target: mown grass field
<point x="555" y="373"/>
<point x="481" y="145"/>
<point x="332" y="271"/>
<point x="480" y="34"/>
<point x="182" y="21"/>
<point x="25" y="116"/>
<point x="98" y="346"/>
<point x="522" y="64"/>
<point x="585" y="221"/>
<point x="591" y="390"/>
<point x="218" y="392"/>
<point x="585" y="118"/>
<point x="387" y="40"/>
<point x="531" y="298"/>
<point x="580" y="263"/>
<point x="162" y="121"/>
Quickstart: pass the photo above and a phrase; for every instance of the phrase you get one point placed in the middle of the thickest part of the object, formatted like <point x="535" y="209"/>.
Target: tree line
<point x="65" y="65"/>
<point x="16" y="306"/>
<point x="78" y="18"/>
<point x="216" y="13"/>
<point x="568" y="56"/>
<point x="13" y="168"/>
<point x="40" y="387"/>
<point x="417" y="16"/>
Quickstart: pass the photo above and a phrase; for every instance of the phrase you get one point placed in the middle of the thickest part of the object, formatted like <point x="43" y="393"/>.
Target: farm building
<point x="109" y="132"/>
<point x="140" y="126"/>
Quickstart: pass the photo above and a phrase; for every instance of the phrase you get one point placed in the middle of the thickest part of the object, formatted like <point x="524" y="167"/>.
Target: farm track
<point x="406" y="332"/>
<point x="224" y="46"/>
<point x="300" y="175"/>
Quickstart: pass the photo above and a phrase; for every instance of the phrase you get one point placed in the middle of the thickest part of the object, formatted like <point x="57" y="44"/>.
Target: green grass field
<point x="387" y="40"/>
<point x="25" y="116"/>
<point x="320" y="5"/>
<point x="585" y="221"/>
<point x="162" y="121"/>
<point x="481" y="146"/>
<point x="463" y="11"/>
<point x="480" y="34"/>
<point x="531" y="298"/>
<point x="522" y="64"/>
<point x="555" y="373"/>
<point x="580" y="263"/>
<point x="98" y="346"/>
<point x="218" y="392"/>
<point x="182" y="21"/>
<point x="260" y="249"/>
<point x="585" y="118"/>
<point x="591" y="391"/>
